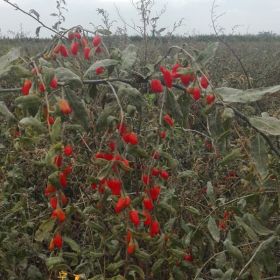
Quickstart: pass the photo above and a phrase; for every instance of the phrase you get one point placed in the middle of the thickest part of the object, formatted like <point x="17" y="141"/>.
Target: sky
<point x="242" y="16"/>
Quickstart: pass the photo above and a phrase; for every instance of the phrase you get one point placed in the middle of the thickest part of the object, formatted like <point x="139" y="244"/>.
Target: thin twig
<point x="35" y="18"/>
<point x="213" y="20"/>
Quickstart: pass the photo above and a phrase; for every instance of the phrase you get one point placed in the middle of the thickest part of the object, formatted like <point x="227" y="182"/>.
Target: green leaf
<point x="54" y="261"/>
<point x="210" y="193"/>
<point x="207" y="54"/>
<point x="193" y="210"/>
<point x="142" y="255"/>
<point x="72" y="244"/>
<point x="90" y="73"/>
<point x="9" y="58"/>
<point x="268" y="125"/>
<point x="67" y="77"/>
<point x="78" y="107"/>
<point x="173" y="106"/>
<point x="136" y="269"/>
<point x="34" y="124"/>
<point x="16" y="72"/>
<point x="33" y="273"/>
<point x="187" y="174"/>
<point x="233" y="250"/>
<point x="132" y="96"/>
<point x="233" y="95"/>
<point x="232" y="156"/>
<point x="56" y="130"/>
<point x="114" y="267"/>
<point x="6" y="113"/>
<point x="251" y="234"/>
<point x="101" y="122"/>
<point x="213" y="229"/>
<point x="28" y="102"/>
<point x="157" y="265"/>
<point x="129" y="57"/>
<point x="44" y="230"/>
<point x="256" y="225"/>
<point x="260" y="155"/>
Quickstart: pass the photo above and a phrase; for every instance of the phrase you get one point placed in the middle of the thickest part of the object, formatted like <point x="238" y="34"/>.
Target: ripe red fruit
<point x="26" y="87"/>
<point x="51" y="120"/>
<point x="156" y="155"/>
<point x="106" y="156"/>
<point x="134" y="217"/>
<point x="58" y="161"/>
<point x="146" y="179"/>
<point x="121" y="128"/>
<point x="120" y="204"/>
<point x="168" y="120"/>
<point x="51" y="245"/>
<point x="87" y="53"/>
<point x="155" y="172"/>
<point x="59" y="214"/>
<point x="71" y="36"/>
<point x="77" y="35"/>
<point x="186" y="79"/>
<point x="115" y="186"/>
<point x="210" y="98"/>
<point x="64" y="199"/>
<point x="154" y="228"/>
<point x="62" y="179"/>
<point x="94" y="186"/>
<point x="53" y="83"/>
<point x="148" y="218"/>
<point x="204" y="82"/>
<point x="64" y="106"/>
<point x="68" y="150"/>
<point x="130" y="138"/>
<point x="162" y="134"/>
<point x="127" y="201"/>
<point x="112" y="146"/>
<point x="164" y="174"/>
<point x="49" y="190"/>
<point x="74" y="48"/>
<point x="53" y="202"/>
<point x="99" y="70"/>
<point x="167" y="76"/>
<point x="196" y="93"/>
<point x="68" y="170"/>
<point x="156" y="86"/>
<point x="57" y="240"/>
<point x="128" y="236"/>
<point x="42" y="88"/>
<point x="188" y="258"/>
<point x="96" y="41"/>
<point x="148" y="204"/>
<point x="98" y="50"/>
<point x="84" y="42"/>
<point x="155" y="192"/>
<point x="131" y="248"/>
<point x="174" y="70"/>
<point x="63" y="50"/>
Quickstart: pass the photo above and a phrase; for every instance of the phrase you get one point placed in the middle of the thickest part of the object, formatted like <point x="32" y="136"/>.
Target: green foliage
<point x="217" y="208"/>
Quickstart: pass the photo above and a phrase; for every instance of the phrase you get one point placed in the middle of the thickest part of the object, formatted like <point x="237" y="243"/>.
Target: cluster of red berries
<point x="151" y="180"/>
<point x="55" y="194"/>
<point x="194" y="85"/>
<point x="79" y="42"/>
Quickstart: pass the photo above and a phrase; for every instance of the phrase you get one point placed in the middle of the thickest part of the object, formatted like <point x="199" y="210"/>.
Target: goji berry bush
<point x="112" y="169"/>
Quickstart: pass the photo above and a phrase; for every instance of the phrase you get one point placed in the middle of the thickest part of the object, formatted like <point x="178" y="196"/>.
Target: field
<point x="116" y="165"/>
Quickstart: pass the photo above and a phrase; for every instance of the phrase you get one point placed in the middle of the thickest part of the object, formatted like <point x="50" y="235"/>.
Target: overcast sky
<point x="252" y="16"/>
